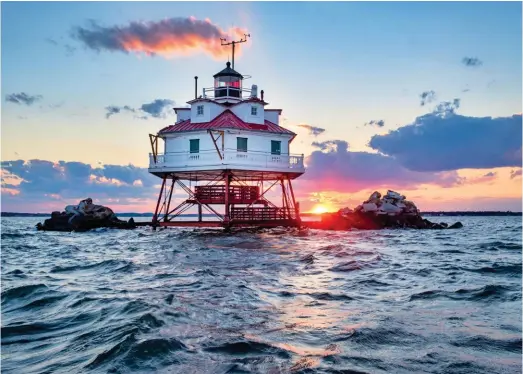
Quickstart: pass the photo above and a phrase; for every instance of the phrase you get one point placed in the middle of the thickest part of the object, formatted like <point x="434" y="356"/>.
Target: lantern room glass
<point x="227" y="86"/>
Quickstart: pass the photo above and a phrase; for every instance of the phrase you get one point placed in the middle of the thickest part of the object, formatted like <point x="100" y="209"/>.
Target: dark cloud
<point x="166" y="37"/>
<point x="44" y="186"/>
<point x="447" y="107"/>
<point x="75" y="179"/>
<point x="112" y="109"/>
<point x="427" y="97"/>
<point x="515" y="173"/>
<point x="22" y="98"/>
<point x="156" y="109"/>
<point x="444" y="140"/>
<point x="379" y="123"/>
<point x="339" y="169"/>
<point x="472" y="61"/>
<point x="313" y="130"/>
<point x="331" y="145"/>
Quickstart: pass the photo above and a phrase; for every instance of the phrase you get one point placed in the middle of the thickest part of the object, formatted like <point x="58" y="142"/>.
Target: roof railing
<point x="226" y="92"/>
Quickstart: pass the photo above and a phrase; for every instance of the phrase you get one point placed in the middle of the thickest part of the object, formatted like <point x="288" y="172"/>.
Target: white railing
<point x="209" y="92"/>
<point x="185" y="160"/>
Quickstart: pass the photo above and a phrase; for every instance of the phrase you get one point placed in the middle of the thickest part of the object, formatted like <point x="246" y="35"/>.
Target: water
<point x="197" y="301"/>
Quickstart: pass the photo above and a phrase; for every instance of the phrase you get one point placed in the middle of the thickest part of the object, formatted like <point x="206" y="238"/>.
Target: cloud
<point x="488" y="177"/>
<point x="69" y="50"/>
<point x="168" y="38"/>
<point x="22" y="98"/>
<point x="331" y="145"/>
<point x="40" y="185"/>
<point x="447" y="107"/>
<point x="472" y="61"/>
<point x="156" y="109"/>
<point x="515" y="173"/>
<point x="335" y="168"/>
<point x="313" y="130"/>
<point x="379" y="123"/>
<point x="427" y="97"/>
<point x="112" y="109"/>
<point x="444" y="140"/>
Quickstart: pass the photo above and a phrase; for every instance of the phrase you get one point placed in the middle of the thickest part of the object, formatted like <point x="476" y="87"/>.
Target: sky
<point x="419" y="97"/>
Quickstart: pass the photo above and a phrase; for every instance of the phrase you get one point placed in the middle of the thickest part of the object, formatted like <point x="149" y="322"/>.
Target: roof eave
<point x="293" y="135"/>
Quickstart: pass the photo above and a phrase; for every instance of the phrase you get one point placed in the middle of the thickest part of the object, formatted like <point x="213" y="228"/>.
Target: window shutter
<point x="194" y="145"/>
<point x="241" y="144"/>
<point x="275" y="147"/>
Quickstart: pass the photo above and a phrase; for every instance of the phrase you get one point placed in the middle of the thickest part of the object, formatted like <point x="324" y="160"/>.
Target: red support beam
<point x="240" y="196"/>
<point x="227" y="217"/>
<point x="296" y="207"/>
<point x="155" y="217"/>
<point x="169" y="200"/>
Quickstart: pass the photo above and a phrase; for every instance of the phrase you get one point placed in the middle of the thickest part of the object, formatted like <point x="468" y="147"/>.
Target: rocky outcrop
<point x="83" y="217"/>
<point x="391" y="211"/>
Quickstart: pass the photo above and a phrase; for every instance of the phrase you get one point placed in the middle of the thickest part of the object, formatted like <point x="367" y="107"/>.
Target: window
<point x="254" y="110"/>
<point x="199" y="110"/>
<point x="275" y="147"/>
<point x="194" y="145"/>
<point x="241" y="144"/>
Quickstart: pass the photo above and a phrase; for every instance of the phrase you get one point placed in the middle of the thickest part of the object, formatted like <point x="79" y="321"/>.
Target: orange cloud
<point x="168" y="38"/>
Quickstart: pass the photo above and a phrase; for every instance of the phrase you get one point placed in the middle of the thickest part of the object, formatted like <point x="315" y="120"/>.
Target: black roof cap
<point x="228" y="72"/>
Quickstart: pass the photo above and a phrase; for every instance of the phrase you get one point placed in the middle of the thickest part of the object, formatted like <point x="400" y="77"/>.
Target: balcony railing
<point x="229" y="92"/>
<point x="185" y="160"/>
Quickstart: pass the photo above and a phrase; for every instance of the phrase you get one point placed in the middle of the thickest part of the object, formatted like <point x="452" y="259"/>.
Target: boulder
<point x="391" y="211"/>
<point x="89" y="217"/>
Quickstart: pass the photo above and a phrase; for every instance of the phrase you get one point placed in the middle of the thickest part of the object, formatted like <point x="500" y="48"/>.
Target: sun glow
<point x="319" y="209"/>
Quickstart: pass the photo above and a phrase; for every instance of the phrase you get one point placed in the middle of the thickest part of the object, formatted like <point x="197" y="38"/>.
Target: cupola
<point x="228" y="83"/>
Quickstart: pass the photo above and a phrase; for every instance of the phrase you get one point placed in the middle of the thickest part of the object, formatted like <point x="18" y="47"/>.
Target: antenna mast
<point x="233" y="43"/>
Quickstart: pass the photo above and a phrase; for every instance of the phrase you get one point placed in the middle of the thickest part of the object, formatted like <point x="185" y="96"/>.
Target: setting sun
<point x="319" y="209"/>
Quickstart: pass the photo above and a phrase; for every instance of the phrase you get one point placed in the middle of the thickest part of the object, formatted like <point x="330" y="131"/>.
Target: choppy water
<point x="184" y="301"/>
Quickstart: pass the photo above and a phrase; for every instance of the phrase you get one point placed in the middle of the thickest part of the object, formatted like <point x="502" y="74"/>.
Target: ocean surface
<point x="273" y="301"/>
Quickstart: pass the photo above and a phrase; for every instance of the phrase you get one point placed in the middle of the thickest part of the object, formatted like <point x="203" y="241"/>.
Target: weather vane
<point x="233" y="43"/>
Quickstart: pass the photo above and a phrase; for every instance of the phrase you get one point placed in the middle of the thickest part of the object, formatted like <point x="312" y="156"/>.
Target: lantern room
<point x="228" y="83"/>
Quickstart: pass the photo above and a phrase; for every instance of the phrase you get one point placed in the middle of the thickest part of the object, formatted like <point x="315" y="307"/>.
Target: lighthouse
<point x="228" y="152"/>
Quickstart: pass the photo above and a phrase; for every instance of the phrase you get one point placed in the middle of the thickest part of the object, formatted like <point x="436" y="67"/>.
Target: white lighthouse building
<point x="226" y="151"/>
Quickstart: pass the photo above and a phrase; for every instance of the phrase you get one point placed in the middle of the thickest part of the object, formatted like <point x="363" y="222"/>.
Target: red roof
<point x="228" y="120"/>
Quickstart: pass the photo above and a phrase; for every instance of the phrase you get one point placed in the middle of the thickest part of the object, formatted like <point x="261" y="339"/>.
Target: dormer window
<point x="254" y="110"/>
<point x="199" y="110"/>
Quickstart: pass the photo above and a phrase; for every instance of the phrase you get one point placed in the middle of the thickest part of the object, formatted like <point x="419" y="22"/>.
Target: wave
<point x="509" y="269"/>
<point x="497" y="245"/>
<point x="484" y="343"/>
<point x="486" y="293"/>
<point x="202" y="301"/>
<point x="247" y="347"/>
<point x="107" y="265"/>
<point x="356" y="264"/>
<point x="16" y="293"/>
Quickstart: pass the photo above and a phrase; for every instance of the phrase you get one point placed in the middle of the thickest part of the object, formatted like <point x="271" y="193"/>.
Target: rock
<point x="391" y="211"/>
<point x="457" y="225"/>
<point x="92" y="217"/>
